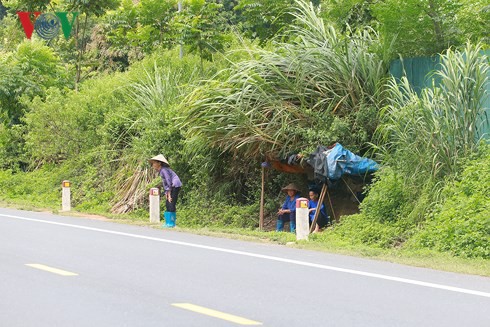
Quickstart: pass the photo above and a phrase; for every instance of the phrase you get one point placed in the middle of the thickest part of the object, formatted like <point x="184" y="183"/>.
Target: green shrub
<point x="426" y="137"/>
<point x="386" y="197"/>
<point x="92" y="188"/>
<point x="461" y="224"/>
<point x="66" y="124"/>
<point x="40" y="188"/>
<point x="358" y="229"/>
<point x="215" y="213"/>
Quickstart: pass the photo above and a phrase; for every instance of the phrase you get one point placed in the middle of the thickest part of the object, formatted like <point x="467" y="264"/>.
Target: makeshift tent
<point x="331" y="163"/>
<point x="328" y="163"/>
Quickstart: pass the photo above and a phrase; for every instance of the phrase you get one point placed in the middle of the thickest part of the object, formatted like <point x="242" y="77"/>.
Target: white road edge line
<point x="267" y="257"/>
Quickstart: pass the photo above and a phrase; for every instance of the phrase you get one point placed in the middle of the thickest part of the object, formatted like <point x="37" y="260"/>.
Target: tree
<point x="27" y="73"/>
<point x="474" y="21"/>
<point x="265" y="18"/>
<point x="11" y="35"/>
<point x="86" y="8"/>
<point x="156" y="15"/>
<point x="347" y="14"/>
<point x="202" y="28"/>
<point x="419" y="27"/>
<point x="24" y="74"/>
<point x="145" y="25"/>
<point x="26" y="5"/>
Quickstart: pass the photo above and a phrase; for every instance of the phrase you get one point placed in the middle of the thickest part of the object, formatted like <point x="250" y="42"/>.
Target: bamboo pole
<point x="261" y="220"/>
<point x="331" y="207"/>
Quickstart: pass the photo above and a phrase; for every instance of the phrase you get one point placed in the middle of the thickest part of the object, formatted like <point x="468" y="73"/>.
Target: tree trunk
<point x="436" y="21"/>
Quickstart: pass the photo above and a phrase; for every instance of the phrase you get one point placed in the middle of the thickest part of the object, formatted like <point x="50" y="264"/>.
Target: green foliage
<point x="264" y="19"/>
<point x="461" y="224"/>
<point x="201" y="27"/>
<point x="24" y="74"/>
<point x="302" y="93"/>
<point x="157" y="15"/>
<point x="414" y="27"/>
<point x="37" y="188"/>
<point x="347" y="14"/>
<point x="423" y="143"/>
<point x="387" y="197"/>
<point x="428" y="136"/>
<point x="216" y="214"/>
<point x="66" y="124"/>
<point x="12" y="147"/>
<point x="91" y="189"/>
<point x="27" y="73"/>
<point x="91" y="7"/>
<point x="11" y="34"/>
<point x="473" y="20"/>
<point x="145" y="25"/>
<point x="357" y="230"/>
<point x="26" y="5"/>
<point x="202" y="212"/>
<point x="418" y="27"/>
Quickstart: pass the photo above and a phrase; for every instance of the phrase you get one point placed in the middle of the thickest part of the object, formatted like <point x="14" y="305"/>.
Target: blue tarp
<point x="334" y="162"/>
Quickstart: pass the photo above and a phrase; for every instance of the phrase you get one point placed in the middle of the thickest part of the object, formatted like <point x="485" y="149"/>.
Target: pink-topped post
<point x="154" y="205"/>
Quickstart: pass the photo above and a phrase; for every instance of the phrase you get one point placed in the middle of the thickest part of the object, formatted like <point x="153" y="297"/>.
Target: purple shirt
<point x="170" y="179"/>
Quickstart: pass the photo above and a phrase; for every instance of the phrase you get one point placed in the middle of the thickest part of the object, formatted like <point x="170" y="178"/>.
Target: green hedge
<point x="461" y="224"/>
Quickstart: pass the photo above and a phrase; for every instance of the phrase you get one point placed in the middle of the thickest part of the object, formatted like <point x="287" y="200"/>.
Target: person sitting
<point x="288" y="210"/>
<point x="323" y="218"/>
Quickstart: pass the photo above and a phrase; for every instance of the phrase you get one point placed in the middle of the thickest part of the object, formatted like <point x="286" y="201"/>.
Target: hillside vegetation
<point x="257" y="80"/>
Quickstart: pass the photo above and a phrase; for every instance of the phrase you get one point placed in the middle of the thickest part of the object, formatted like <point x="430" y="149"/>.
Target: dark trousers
<point x="322" y="220"/>
<point x="288" y="217"/>
<point x="291" y="217"/>
<point x="171" y="206"/>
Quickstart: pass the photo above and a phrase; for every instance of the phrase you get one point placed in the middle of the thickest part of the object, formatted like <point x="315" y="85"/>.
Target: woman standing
<point x="171" y="188"/>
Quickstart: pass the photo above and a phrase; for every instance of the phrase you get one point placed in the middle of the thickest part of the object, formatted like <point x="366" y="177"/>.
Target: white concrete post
<point x="302" y="218"/>
<point x="65" y="196"/>
<point x="154" y="205"/>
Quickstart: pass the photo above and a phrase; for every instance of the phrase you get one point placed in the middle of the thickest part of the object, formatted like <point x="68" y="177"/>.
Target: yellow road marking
<point x="51" y="269"/>
<point x="216" y="314"/>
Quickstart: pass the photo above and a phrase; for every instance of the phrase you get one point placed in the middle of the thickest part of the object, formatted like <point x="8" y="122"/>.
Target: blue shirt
<point x="290" y="203"/>
<point x="314" y="204"/>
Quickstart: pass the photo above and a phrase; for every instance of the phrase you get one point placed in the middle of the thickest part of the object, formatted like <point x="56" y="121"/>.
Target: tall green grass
<point x="425" y="139"/>
<point x="319" y="88"/>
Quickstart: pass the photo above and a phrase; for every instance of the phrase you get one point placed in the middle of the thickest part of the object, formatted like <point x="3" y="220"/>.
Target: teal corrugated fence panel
<point x="419" y="72"/>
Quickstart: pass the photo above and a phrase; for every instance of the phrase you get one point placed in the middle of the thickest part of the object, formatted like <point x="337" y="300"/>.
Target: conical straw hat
<point x="159" y="158"/>
<point x="291" y="186"/>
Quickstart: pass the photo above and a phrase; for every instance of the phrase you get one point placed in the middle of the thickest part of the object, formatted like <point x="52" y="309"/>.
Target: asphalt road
<point x="65" y="271"/>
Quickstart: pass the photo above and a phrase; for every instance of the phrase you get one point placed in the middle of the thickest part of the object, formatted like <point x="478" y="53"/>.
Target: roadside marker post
<point x="65" y="196"/>
<point x="154" y="205"/>
<point x="302" y="217"/>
